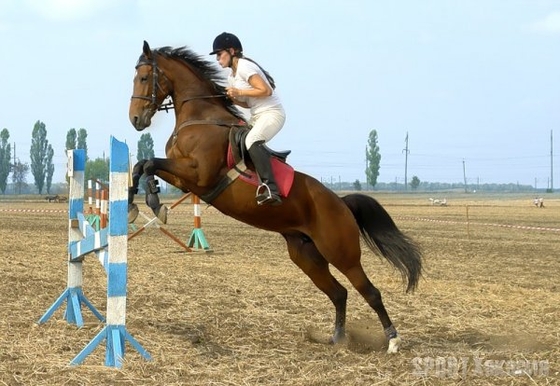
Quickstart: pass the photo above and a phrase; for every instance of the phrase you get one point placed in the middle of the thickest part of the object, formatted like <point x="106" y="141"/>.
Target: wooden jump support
<point x="197" y="240"/>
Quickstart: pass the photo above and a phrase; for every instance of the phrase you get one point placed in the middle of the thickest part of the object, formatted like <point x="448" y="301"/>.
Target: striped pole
<point x="154" y="222"/>
<point x="90" y="195"/>
<point x="103" y="211"/>
<point x="197" y="239"/>
<point x="73" y="295"/>
<point x="97" y="198"/>
<point x="110" y="244"/>
<point x="115" y="333"/>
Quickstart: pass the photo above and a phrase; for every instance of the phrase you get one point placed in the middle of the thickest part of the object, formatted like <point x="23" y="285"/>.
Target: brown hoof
<point x="161" y="214"/>
<point x="132" y="213"/>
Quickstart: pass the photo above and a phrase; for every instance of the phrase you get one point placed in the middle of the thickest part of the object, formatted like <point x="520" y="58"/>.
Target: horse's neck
<point x="195" y="99"/>
<point x="209" y="109"/>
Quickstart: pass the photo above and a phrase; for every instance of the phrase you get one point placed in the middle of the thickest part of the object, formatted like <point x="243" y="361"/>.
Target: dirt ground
<point x="486" y="312"/>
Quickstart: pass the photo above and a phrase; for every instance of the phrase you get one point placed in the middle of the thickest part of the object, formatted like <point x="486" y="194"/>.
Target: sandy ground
<point x="486" y="312"/>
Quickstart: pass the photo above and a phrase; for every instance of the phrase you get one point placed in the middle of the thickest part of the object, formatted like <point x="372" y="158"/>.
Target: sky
<point x="474" y="84"/>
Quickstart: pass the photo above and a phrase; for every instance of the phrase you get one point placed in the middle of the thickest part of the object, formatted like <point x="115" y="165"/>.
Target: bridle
<point x="155" y="85"/>
<point x="154" y="106"/>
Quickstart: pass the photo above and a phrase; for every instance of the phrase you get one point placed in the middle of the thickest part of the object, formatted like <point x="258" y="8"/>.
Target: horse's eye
<point x="144" y="79"/>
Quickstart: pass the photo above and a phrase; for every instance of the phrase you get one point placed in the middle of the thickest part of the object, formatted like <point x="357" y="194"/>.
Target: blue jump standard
<point x="110" y="246"/>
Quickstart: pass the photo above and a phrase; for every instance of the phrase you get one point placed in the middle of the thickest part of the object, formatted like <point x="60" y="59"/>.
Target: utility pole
<point x="406" y="151"/>
<point x="551" y="164"/>
<point x="14" y="168"/>
<point x="465" y="176"/>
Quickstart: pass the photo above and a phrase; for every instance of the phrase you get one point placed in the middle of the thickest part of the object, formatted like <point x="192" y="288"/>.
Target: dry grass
<point x="245" y="315"/>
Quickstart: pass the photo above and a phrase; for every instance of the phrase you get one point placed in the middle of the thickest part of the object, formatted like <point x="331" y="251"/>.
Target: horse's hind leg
<point x="305" y="255"/>
<point x="152" y="199"/>
<point x="372" y="295"/>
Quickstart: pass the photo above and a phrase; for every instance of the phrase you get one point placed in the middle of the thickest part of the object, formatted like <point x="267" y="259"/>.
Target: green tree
<point x="76" y="139"/>
<point x="81" y="142"/>
<point x="50" y="168"/>
<point x="5" y="157"/>
<point x="373" y="159"/>
<point x="98" y="169"/>
<point x="40" y="149"/>
<point x="145" y="147"/>
<point x="357" y="185"/>
<point x="414" y="183"/>
<point x="19" y="176"/>
<point x="71" y="139"/>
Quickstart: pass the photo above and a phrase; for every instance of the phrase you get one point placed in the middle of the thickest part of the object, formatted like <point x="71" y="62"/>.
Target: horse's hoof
<point x="132" y="213"/>
<point x="161" y="214"/>
<point x="394" y="344"/>
<point x="338" y="338"/>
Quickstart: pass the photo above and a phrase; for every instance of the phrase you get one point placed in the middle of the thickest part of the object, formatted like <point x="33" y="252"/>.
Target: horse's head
<point x="183" y="75"/>
<point x="150" y="88"/>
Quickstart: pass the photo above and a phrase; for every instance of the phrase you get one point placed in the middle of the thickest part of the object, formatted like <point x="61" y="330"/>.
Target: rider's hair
<point x="270" y="79"/>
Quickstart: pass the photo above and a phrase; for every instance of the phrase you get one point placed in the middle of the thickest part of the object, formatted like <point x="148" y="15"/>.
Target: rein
<point x="170" y="106"/>
<point x="192" y="122"/>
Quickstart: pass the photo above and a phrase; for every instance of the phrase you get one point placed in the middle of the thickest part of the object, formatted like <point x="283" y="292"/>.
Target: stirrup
<point x="263" y="196"/>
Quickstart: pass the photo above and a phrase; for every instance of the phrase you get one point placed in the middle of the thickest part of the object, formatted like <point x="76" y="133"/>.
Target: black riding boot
<point x="267" y="192"/>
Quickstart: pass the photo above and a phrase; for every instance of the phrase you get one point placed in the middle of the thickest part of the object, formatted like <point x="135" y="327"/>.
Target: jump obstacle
<point x="97" y="217"/>
<point x="197" y="240"/>
<point x="110" y="244"/>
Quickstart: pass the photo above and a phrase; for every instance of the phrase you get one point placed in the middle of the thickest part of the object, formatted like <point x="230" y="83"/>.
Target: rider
<point x="250" y="86"/>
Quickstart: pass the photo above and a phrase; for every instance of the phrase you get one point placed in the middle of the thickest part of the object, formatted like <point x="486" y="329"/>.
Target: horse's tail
<point x="381" y="234"/>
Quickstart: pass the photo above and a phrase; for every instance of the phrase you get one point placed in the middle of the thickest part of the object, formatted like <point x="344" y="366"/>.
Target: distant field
<point x="245" y="315"/>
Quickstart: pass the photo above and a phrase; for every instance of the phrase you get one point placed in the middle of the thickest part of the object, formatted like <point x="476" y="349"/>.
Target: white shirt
<point x="246" y="69"/>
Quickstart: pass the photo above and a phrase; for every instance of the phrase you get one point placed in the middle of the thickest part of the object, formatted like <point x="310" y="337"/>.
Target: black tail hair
<point x="381" y="234"/>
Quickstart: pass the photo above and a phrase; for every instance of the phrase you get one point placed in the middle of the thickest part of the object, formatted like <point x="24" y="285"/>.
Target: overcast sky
<point x="473" y="81"/>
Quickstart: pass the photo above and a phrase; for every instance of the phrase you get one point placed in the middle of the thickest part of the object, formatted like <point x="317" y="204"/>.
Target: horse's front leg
<point x="137" y="172"/>
<point x="178" y="172"/>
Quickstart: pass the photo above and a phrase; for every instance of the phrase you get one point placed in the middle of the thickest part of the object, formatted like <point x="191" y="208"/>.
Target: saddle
<point x="237" y="154"/>
<point x="239" y="151"/>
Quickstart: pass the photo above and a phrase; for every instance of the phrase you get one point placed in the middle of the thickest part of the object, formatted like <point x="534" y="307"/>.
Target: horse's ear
<point x="147" y="50"/>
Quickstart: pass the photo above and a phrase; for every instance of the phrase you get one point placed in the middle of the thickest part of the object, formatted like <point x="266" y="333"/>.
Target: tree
<point x="357" y="185"/>
<point x="50" y="168"/>
<point x="71" y="139"/>
<point x="373" y="159"/>
<point x="19" y="176"/>
<point x="414" y="183"/>
<point x="97" y="169"/>
<point x="76" y="140"/>
<point x="81" y="142"/>
<point x="40" y="149"/>
<point x="145" y="147"/>
<point x="5" y="157"/>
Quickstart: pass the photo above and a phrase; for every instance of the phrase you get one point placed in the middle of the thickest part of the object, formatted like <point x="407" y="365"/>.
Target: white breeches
<point x="265" y="125"/>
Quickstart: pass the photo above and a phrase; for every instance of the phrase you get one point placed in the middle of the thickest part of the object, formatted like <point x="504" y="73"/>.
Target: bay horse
<point x="320" y="228"/>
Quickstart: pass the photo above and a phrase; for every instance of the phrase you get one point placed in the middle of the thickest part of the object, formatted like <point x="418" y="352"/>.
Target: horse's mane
<point x="205" y="70"/>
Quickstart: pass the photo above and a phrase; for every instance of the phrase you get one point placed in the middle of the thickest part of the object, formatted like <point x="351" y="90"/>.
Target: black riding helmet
<point x="224" y="41"/>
